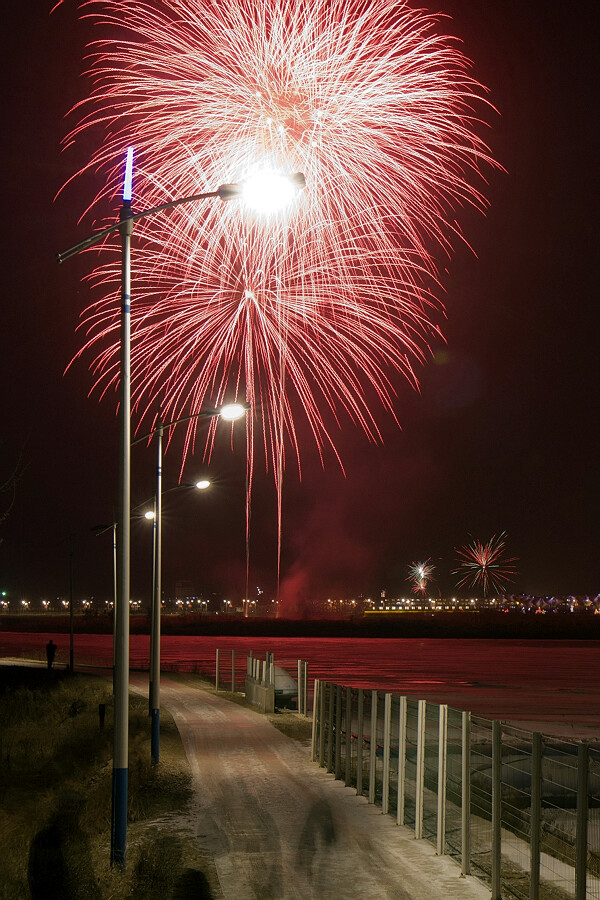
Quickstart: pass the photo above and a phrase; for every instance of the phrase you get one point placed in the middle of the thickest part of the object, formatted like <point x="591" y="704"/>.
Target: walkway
<point x="278" y="826"/>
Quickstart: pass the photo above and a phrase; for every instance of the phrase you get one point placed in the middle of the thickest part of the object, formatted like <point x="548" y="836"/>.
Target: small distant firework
<point x="419" y="574"/>
<point x="485" y="565"/>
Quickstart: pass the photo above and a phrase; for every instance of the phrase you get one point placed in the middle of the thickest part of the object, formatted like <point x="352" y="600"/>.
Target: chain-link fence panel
<point x="410" y="765"/>
<point x="593" y="826"/>
<point x="520" y="811"/>
<point x="430" y="789"/>
<point x="454" y="785"/>
<point x="481" y="797"/>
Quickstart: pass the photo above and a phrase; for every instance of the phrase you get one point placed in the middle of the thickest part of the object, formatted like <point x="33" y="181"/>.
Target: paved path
<point x="278" y="826"/>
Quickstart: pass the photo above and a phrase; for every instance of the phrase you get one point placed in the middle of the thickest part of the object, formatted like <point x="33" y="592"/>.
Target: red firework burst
<point x="485" y="565"/>
<point x="311" y="314"/>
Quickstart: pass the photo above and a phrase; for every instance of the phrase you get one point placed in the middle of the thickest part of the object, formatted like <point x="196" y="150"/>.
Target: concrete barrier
<point x="260" y="694"/>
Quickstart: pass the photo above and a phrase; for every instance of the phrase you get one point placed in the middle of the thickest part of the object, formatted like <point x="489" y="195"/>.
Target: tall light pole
<point x="257" y="192"/>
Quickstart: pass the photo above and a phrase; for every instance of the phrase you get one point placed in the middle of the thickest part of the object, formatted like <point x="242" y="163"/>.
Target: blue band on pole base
<point x="155" y="736"/>
<point x="118" y="847"/>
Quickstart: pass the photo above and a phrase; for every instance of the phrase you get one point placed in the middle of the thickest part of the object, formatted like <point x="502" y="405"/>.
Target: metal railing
<point x="515" y="808"/>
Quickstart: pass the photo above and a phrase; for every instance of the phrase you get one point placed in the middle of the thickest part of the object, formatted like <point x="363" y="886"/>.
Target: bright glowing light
<point x="232" y="411"/>
<point x="268" y="192"/>
<point x="149" y="514"/>
<point x="202" y="485"/>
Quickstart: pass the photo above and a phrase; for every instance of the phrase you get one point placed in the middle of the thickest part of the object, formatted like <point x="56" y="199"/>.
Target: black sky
<point x="502" y="437"/>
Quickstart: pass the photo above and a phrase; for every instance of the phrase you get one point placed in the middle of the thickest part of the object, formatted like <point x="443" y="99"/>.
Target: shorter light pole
<point x="71" y="610"/>
<point x="229" y="412"/>
<point x="101" y="529"/>
<point x="155" y="616"/>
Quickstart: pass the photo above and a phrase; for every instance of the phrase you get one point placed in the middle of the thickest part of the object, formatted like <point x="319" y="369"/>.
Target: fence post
<point x="496" y="807"/>
<point x="323" y="687"/>
<point x="581" y="839"/>
<point x="305" y="686"/>
<point x="233" y="671"/>
<point x="441" y="779"/>
<point x="217" y="673"/>
<point x="359" y="742"/>
<point x="466" y="795"/>
<point x="401" y="760"/>
<point x="535" y="816"/>
<point x="330" y="725"/>
<point x="387" y="725"/>
<point x="338" y="731"/>
<point x="420" y="773"/>
<point x="302" y="687"/>
<point x="347" y="773"/>
<point x="313" y="748"/>
<point x="373" y="747"/>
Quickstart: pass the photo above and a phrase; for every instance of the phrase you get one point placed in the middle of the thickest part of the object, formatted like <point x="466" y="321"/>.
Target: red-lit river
<point x="531" y="681"/>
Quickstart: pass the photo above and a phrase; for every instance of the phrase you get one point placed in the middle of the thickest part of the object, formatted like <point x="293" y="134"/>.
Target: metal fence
<point x="517" y="809"/>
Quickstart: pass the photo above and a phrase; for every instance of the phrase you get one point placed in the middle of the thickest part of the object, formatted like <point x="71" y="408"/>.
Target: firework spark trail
<point x="485" y="565"/>
<point x="419" y="574"/>
<point x="314" y="312"/>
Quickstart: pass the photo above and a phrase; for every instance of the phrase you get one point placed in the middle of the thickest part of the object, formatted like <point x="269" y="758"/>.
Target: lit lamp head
<point x="203" y="485"/>
<point x="232" y="411"/>
<point x="266" y="192"/>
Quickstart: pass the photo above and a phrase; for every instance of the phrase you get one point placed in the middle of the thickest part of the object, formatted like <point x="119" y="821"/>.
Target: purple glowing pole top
<point x="128" y="180"/>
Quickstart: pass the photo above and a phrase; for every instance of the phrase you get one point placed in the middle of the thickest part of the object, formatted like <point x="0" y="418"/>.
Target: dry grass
<point x="56" y="788"/>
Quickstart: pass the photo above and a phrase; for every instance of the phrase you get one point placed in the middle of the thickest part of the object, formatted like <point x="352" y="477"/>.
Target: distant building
<point x="184" y="590"/>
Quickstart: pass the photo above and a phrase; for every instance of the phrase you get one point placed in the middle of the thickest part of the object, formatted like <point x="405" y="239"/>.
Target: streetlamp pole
<point x="125" y="227"/>
<point x="121" y="650"/>
<point x="156" y="601"/>
<point x="71" y="610"/>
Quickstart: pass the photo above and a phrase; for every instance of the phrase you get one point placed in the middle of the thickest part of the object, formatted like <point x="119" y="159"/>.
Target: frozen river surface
<point x="551" y="684"/>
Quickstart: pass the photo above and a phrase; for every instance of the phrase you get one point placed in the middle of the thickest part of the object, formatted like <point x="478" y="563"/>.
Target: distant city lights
<point x="189" y="602"/>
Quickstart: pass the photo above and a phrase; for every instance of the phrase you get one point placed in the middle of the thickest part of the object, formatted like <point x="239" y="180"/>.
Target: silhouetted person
<point x="50" y="651"/>
<point x="191" y="883"/>
<point x="60" y="863"/>
<point x="317" y="838"/>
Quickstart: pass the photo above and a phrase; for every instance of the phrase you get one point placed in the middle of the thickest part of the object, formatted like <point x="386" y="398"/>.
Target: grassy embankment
<point x="56" y="787"/>
<point x="55" y="795"/>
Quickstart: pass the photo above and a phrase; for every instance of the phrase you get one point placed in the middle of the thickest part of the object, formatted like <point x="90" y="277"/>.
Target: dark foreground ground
<point x="235" y="810"/>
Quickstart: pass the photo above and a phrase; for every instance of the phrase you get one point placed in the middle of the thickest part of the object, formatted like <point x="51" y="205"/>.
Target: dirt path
<point x="275" y="825"/>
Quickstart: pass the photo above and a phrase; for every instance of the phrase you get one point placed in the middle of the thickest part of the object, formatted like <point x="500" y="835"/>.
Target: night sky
<point x="502" y="437"/>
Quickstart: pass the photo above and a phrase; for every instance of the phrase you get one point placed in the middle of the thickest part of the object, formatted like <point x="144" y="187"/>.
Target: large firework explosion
<point x="319" y="313"/>
<point x="485" y="565"/>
